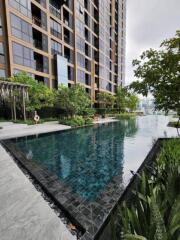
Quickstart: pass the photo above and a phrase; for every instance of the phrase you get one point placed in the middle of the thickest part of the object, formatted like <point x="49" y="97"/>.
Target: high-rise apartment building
<point x="65" y="41"/>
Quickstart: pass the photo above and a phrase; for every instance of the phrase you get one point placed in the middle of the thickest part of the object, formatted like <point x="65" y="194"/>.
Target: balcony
<point x="38" y="66"/>
<point x="41" y="63"/>
<point x="67" y="36"/>
<point x="68" y="54"/>
<point x="40" y="40"/>
<point x="36" y="21"/>
<point x="37" y="44"/>
<point x="67" y="18"/>
<point x="39" y="17"/>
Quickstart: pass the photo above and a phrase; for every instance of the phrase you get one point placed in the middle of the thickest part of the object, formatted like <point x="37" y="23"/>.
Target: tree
<point x="158" y="73"/>
<point x="73" y="100"/>
<point x="121" y="99"/>
<point x="39" y="94"/>
<point x="106" y="100"/>
<point x="132" y="102"/>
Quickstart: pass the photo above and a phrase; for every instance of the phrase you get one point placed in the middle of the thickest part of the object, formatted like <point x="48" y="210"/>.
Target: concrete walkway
<point x="106" y="120"/>
<point x="11" y="130"/>
<point x="24" y="214"/>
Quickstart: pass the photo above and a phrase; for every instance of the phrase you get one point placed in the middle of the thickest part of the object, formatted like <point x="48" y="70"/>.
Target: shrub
<point x="153" y="212"/>
<point x="88" y="121"/>
<point x="76" y="121"/>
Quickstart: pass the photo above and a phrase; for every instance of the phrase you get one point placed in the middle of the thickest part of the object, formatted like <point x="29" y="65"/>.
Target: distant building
<point x="146" y="105"/>
<point x="69" y="42"/>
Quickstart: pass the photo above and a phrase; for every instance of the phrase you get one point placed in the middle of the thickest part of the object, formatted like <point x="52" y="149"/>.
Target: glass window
<point x="21" y="29"/>
<point x="55" y="28"/>
<point x="0" y="26"/>
<point x="56" y="48"/>
<point x="23" y="6"/>
<point x="23" y="55"/>
<point x="80" y="43"/>
<point x="80" y="76"/>
<point x="80" y="60"/>
<point x="2" y="57"/>
<point x="2" y="73"/>
<point x="1" y="48"/>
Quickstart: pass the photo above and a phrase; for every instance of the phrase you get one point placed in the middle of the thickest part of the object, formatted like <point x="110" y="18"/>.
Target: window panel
<point x="21" y="29"/>
<point x="2" y="73"/>
<point x="23" y="6"/>
<point x="23" y="55"/>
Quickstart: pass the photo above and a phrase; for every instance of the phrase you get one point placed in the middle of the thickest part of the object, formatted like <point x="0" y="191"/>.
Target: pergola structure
<point x="14" y="93"/>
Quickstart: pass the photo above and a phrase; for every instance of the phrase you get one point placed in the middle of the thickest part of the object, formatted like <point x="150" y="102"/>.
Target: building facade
<point x="65" y="41"/>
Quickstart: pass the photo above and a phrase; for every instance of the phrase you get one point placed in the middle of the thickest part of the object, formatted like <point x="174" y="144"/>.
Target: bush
<point x="174" y="124"/>
<point x="88" y="121"/>
<point x="153" y="211"/>
<point x="76" y="121"/>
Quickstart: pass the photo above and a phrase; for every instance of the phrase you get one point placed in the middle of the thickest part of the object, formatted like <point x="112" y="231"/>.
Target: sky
<point x="149" y="22"/>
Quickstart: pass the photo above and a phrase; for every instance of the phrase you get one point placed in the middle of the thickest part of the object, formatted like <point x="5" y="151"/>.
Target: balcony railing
<point x="37" y="21"/>
<point x="37" y="44"/>
<point x="39" y="66"/>
<point x="66" y="38"/>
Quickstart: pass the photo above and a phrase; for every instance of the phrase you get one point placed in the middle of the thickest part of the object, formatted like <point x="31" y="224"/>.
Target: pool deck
<point x="12" y="130"/>
<point x="24" y="214"/>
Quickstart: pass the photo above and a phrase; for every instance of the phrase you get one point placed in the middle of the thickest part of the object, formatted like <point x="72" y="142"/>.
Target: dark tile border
<point x="90" y="218"/>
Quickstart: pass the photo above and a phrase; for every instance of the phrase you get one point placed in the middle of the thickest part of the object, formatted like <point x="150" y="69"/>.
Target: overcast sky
<point x="148" y="23"/>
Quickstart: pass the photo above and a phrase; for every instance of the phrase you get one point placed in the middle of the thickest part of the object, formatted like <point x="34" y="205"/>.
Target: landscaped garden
<point x="152" y="210"/>
<point x="70" y="106"/>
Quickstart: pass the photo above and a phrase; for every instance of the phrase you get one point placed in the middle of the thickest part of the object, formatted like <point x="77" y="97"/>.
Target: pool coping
<point x="84" y="215"/>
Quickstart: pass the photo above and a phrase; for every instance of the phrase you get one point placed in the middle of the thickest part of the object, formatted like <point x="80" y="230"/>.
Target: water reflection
<point x="87" y="159"/>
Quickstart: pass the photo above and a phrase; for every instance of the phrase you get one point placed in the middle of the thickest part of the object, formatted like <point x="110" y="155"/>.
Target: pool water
<point x="87" y="159"/>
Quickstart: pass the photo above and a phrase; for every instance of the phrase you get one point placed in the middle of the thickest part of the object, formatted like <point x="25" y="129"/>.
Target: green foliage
<point x="88" y="121"/>
<point x="154" y="210"/>
<point x="132" y="102"/>
<point x="76" y="121"/>
<point x="174" y="124"/>
<point x="126" y="99"/>
<point x="106" y="100"/>
<point x="121" y="98"/>
<point x="73" y="100"/>
<point x="158" y="74"/>
<point x="39" y="94"/>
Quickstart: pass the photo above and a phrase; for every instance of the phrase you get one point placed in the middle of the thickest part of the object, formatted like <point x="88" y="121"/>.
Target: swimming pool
<point x="89" y="167"/>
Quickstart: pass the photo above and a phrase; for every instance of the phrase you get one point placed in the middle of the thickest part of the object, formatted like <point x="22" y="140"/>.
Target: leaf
<point x="134" y="237"/>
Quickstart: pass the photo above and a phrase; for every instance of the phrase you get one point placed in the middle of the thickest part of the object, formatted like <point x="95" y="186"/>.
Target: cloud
<point x="149" y="22"/>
